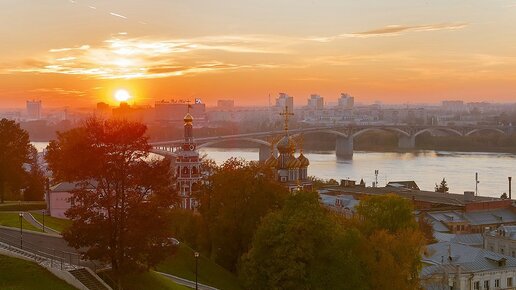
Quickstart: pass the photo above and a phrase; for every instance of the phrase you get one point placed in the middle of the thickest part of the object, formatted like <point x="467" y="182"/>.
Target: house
<point x="59" y="198"/>
<point x="455" y="266"/>
<point x="502" y="240"/>
<point x="343" y="204"/>
<point x="471" y="221"/>
<point x="411" y="185"/>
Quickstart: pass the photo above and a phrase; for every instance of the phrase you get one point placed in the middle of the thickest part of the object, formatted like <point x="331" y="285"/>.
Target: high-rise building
<point x="188" y="166"/>
<point x="346" y="101"/>
<point x="285" y="100"/>
<point x="316" y="102"/>
<point x="34" y="109"/>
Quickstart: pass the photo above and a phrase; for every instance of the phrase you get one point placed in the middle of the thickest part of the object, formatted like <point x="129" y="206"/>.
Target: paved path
<point x="187" y="283"/>
<point x="42" y="244"/>
<point x="33" y="221"/>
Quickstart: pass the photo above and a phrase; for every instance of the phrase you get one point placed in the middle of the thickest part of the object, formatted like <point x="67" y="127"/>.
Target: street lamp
<point x="196" y="254"/>
<point x="21" y="229"/>
<point x="43" y="212"/>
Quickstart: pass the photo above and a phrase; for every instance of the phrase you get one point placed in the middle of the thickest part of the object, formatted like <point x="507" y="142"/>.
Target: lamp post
<point x="196" y="254"/>
<point x="43" y="212"/>
<point x="21" y="229"/>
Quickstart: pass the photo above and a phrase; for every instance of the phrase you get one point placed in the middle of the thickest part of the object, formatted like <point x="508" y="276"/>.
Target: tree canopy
<point x="121" y="209"/>
<point x="305" y="246"/>
<point x="235" y="197"/>
<point x="302" y="246"/>
<point x="15" y="151"/>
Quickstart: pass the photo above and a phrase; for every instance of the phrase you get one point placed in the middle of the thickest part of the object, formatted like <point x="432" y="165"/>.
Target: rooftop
<point x="450" y="199"/>
<point x="449" y="256"/>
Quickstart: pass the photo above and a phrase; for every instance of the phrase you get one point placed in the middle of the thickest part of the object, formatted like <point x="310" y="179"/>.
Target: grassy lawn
<point x="182" y="264"/>
<point x="23" y="206"/>
<point x="52" y="222"/>
<point x="11" y="219"/>
<point x="17" y="274"/>
<point x="147" y="280"/>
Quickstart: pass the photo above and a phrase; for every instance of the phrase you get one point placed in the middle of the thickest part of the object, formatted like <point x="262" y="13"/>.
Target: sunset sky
<point x="79" y="52"/>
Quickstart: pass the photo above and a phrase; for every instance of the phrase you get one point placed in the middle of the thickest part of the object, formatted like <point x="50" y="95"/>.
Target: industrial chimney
<point x="510" y="187"/>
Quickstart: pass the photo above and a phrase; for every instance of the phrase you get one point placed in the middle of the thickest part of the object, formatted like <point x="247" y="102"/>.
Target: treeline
<point x="21" y="177"/>
<point x="251" y="225"/>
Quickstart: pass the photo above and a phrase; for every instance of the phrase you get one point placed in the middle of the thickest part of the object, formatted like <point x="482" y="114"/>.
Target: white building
<point x="315" y="102"/>
<point x="460" y="267"/>
<point x="501" y="240"/>
<point x="346" y="101"/>
<point x="59" y="198"/>
<point x="285" y="100"/>
<point x="34" y="110"/>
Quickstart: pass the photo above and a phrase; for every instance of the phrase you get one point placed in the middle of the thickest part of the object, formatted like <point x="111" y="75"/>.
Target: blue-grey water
<point x="425" y="167"/>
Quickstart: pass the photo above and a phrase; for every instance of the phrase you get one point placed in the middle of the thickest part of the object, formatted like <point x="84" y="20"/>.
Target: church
<point x="188" y="166"/>
<point x="290" y="170"/>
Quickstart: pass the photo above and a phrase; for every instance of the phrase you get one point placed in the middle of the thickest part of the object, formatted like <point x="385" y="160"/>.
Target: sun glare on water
<point x="122" y="95"/>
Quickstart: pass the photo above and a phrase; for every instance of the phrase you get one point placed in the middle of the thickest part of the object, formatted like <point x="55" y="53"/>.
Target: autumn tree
<point x="303" y="246"/>
<point x="442" y="187"/>
<point x="235" y="197"/>
<point x="15" y="151"/>
<point x="121" y="208"/>
<point x="392" y="242"/>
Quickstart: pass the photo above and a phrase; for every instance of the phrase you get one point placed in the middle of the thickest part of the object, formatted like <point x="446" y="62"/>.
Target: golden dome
<point x="188" y="118"/>
<point x="286" y="145"/>
<point x="271" y="161"/>
<point x="293" y="162"/>
<point x="303" y="160"/>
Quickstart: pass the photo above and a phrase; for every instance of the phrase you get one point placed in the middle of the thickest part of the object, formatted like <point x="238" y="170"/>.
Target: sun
<point x="122" y="95"/>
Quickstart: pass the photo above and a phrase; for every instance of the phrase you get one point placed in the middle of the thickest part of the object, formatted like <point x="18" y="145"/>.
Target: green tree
<point x="15" y="151"/>
<point x="386" y="212"/>
<point x="235" y="197"/>
<point x="35" y="189"/>
<point x="121" y="210"/>
<point x="303" y="246"/>
<point x="442" y="187"/>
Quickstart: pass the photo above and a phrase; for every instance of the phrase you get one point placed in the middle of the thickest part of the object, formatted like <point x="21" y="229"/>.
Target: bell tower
<point x="188" y="166"/>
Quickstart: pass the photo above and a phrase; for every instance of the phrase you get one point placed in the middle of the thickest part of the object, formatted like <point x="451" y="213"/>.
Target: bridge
<point x="345" y="135"/>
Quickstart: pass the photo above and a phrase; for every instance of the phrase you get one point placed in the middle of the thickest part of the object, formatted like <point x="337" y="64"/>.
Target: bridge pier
<point x="407" y="142"/>
<point x="344" y="147"/>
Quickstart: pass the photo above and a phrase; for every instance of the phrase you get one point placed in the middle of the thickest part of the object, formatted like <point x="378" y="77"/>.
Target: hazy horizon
<point x="79" y="52"/>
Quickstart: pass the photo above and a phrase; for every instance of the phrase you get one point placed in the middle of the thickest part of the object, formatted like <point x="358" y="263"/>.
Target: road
<point x="47" y="243"/>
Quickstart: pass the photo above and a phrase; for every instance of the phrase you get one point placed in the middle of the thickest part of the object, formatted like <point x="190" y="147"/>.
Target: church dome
<point x="303" y="160"/>
<point x="293" y="162"/>
<point x="271" y="161"/>
<point x="188" y="118"/>
<point x="286" y="145"/>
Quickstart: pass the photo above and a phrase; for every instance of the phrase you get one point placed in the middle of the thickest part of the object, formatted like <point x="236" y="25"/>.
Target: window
<point x="502" y="251"/>
<point x="486" y="285"/>
<point x="513" y="254"/>
<point x="476" y="286"/>
<point x="509" y="282"/>
<point x="497" y="283"/>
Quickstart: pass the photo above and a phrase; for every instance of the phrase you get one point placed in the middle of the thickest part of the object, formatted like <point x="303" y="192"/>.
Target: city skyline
<point x="79" y="52"/>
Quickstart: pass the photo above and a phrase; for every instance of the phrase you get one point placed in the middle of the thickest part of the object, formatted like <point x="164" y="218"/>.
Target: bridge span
<point x="345" y="135"/>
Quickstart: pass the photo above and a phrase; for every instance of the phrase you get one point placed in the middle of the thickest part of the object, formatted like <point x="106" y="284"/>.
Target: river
<point x="426" y="168"/>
